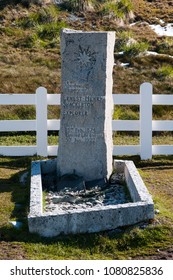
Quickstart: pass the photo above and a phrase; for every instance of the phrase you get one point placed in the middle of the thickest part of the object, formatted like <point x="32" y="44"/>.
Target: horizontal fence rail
<point x="41" y="125"/>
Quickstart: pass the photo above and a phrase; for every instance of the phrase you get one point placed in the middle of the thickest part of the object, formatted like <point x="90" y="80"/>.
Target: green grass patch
<point x="119" y="138"/>
<point x="42" y="28"/>
<point x="117" y="8"/>
<point x="135" y="49"/>
<point x="126" y="113"/>
<point x="41" y="16"/>
<point x="166" y="71"/>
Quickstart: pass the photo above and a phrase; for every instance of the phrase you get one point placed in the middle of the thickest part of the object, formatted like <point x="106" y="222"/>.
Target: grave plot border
<point x="92" y="219"/>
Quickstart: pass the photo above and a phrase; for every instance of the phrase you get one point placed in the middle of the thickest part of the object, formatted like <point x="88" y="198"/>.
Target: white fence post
<point x="146" y="90"/>
<point x="41" y="121"/>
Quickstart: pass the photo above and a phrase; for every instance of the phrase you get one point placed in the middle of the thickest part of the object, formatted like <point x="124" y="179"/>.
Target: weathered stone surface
<point x="85" y="140"/>
<point x="94" y="218"/>
<point x="72" y="182"/>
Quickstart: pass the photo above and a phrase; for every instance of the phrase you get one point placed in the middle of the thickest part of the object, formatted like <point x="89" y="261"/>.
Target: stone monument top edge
<point x="71" y="31"/>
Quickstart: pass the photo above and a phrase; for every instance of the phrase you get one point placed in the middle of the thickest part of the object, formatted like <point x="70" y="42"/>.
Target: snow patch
<point x="157" y="54"/>
<point x="166" y="30"/>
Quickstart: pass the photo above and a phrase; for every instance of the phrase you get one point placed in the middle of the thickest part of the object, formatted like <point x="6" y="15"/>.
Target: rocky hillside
<point x="30" y="52"/>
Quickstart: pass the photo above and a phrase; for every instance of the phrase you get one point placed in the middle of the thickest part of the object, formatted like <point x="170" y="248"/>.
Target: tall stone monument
<point x="85" y="150"/>
<point x="85" y="139"/>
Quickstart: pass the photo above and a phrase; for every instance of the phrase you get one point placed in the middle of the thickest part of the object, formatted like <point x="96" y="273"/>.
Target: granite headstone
<point x="85" y="138"/>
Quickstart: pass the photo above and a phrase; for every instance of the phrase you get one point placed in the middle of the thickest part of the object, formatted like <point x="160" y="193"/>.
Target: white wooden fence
<point x="145" y="125"/>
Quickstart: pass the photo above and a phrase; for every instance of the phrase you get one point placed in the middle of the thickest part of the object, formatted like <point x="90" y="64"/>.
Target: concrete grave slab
<point x="93" y="219"/>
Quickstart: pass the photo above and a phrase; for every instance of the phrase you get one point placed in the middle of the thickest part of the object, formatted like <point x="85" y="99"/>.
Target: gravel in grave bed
<point x="71" y="192"/>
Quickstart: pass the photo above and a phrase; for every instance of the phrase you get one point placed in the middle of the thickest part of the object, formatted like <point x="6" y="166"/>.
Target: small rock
<point x="16" y="224"/>
<point x="143" y="226"/>
<point x="89" y="204"/>
<point x="95" y="184"/>
<point x="91" y="200"/>
<point x="98" y="202"/>
<point x="116" y="178"/>
<point x="157" y="211"/>
<point x="57" y="199"/>
<point x="114" y="231"/>
<point x="66" y="198"/>
<point x="23" y="178"/>
<point x="69" y="198"/>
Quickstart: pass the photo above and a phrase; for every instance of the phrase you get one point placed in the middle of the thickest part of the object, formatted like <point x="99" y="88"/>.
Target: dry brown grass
<point x="12" y="251"/>
<point x="152" y="11"/>
<point x="22" y="71"/>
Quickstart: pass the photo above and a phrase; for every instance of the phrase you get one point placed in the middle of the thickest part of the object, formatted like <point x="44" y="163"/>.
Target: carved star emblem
<point x="85" y="57"/>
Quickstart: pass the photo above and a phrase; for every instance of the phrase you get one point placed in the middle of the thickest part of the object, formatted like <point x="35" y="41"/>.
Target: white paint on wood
<point x="41" y="119"/>
<point x="14" y="151"/>
<point x="146" y="121"/>
<point x="54" y="99"/>
<point x="162" y="125"/>
<point x="125" y="125"/>
<point x="126" y="99"/>
<point x="17" y="125"/>
<point x="52" y="150"/>
<point x="53" y="124"/>
<point x="162" y="99"/>
<point x="119" y="150"/>
<point x="17" y="99"/>
<point x="162" y="149"/>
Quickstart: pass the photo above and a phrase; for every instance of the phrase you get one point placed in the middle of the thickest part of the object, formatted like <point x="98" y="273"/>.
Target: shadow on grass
<point x="15" y="196"/>
<point x="15" y="162"/>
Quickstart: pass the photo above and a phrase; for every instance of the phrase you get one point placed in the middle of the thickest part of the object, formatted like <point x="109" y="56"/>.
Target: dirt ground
<point x="9" y="251"/>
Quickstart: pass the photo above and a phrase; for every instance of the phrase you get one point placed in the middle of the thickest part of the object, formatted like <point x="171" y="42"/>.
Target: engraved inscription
<point x="77" y="87"/>
<point x="75" y="113"/>
<point x="86" y="98"/>
<point x="79" y="105"/>
<point x="81" y="134"/>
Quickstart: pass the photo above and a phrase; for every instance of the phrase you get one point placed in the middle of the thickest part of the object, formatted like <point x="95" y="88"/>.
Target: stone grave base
<point x="93" y="219"/>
